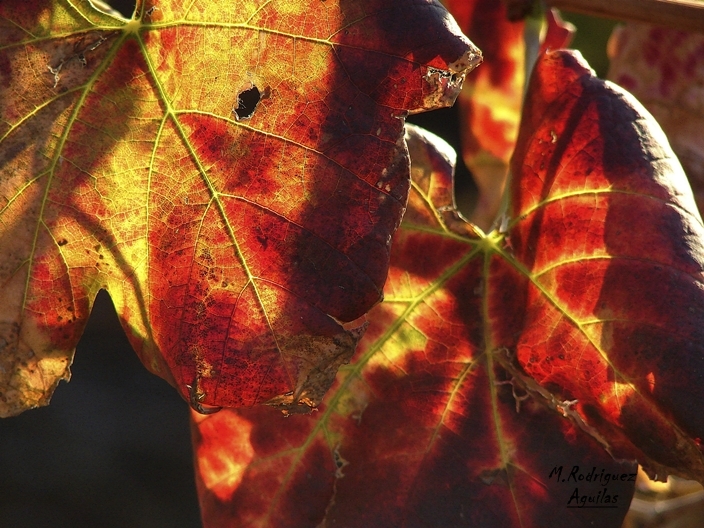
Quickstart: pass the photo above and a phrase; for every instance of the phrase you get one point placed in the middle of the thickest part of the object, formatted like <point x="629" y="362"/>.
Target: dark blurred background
<point x="113" y="448"/>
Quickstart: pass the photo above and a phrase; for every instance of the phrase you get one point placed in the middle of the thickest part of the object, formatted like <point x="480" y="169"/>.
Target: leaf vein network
<point x="354" y="370"/>
<point x="289" y="141"/>
<point x="521" y="215"/>
<point x="582" y="258"/>
<point x="214" y="199"/>
<point x="86" y="89"/>
<point x="618" y="375"/>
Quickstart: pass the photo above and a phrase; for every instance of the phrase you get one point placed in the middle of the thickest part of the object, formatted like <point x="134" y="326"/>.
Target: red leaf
<point x="236" y="239"/>
<point x="602" y="298"/>
<point x="591" y="326"/>
<point x="558" y="33"/>
<point x="422" y="429"/>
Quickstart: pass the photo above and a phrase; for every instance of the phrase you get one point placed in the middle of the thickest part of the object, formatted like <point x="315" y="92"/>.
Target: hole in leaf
<point x="247" y="102"/>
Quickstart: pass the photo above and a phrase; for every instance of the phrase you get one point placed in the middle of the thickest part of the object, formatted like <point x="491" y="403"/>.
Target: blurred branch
<point x="687" y="15"/>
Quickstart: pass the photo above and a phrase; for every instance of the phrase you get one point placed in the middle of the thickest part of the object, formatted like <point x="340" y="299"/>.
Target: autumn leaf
<point x="567" y="339"/>
<point x="664" y="69"/>
<point x="600" y="294"/>
<point x="424" y="428"/>
<point x="558" y="32"/>
<point x="232" y="176"/>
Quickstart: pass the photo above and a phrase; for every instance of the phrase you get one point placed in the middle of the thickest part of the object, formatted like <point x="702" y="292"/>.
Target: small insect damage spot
<point x="150" y="12"/>
<point x="248" y="100"/>
<point x="317" y="360"/>
<point x="73" y="60"/>
<point x="498" y="476"/>
<point x="340" y="463"/>
<point x="444" y="85"/>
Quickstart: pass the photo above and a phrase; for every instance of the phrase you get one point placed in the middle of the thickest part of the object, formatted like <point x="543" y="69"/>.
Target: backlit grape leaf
<point x="572" y="336"/>
<point x="664" y="69"/>
<point x="599" y="296"/>
<point x="424" y="428"/>
<point x="231" y="173"/>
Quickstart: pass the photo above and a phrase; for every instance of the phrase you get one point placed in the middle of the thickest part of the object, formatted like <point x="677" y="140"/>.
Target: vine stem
<point x="687" y="15"/>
